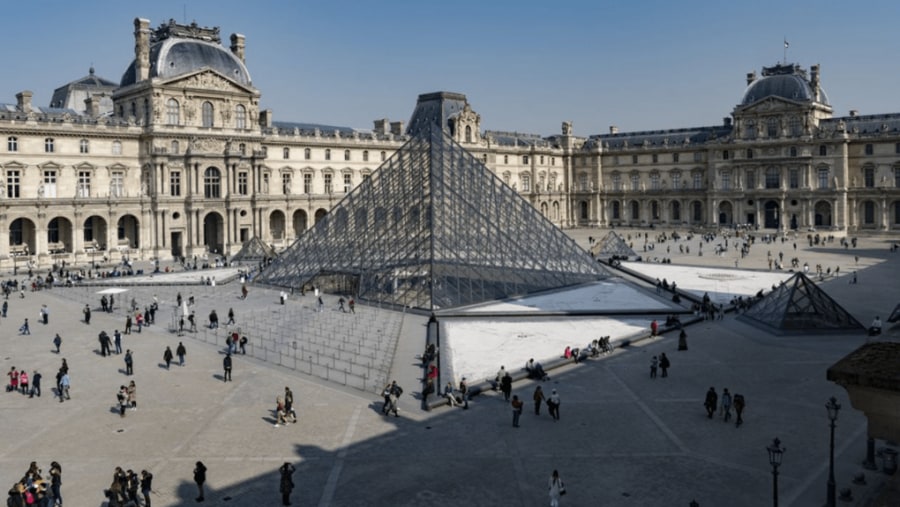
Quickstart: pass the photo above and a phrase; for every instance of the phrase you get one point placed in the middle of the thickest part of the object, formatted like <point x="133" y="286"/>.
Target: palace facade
<point x="177" y="159"/>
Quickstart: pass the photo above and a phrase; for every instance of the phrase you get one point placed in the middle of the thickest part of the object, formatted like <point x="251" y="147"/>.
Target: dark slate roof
<point x="73" y="94"/>
<point x="435" y="109"/>
<point x="785" y="81"/>
<point x="174" y="57"/>
<point x="310" y="128"/>
<point x="869" y="124"/>
<point x="661" y="138"/>
<point x="516" y="138"/>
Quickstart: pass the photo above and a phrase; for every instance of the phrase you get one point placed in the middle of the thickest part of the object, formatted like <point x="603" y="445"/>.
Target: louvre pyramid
<point x="612" y="245"/>
<point x="799" y="306"/>
<point x="433" y="228"/>
<point x="254" y="250"/>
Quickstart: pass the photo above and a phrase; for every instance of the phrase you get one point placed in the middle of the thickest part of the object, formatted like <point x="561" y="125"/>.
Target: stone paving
<point x="623" y="438"/>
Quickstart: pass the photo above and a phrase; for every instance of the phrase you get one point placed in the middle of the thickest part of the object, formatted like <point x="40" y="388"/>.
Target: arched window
<point x="134" y="109"/>
<point x="173" y="112"/>
<point x="212" y="183"/>
<point x="468" y="134"/>
<point x="383" y="156"/>
<point x="365" y="155"/>
<point x="240" y="117"/>
<point x="207" y="114"/>
<point x="616" y="211"/>
<point x="676" y="211"/>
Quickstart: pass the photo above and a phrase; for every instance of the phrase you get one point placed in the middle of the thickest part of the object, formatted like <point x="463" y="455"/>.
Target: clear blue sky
<point x="524" y="65"/>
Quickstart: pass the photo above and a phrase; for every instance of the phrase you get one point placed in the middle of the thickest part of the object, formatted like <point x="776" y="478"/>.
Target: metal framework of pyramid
<point x="254" y="250"/>
<point x="895" y="315"/>
<point x="433" y="228"/>
<point x="799" y="306"/>
<point x="612" y="245"/>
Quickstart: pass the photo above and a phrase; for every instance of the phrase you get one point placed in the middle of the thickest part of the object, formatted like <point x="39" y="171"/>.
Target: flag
<point x="786" y="44"/>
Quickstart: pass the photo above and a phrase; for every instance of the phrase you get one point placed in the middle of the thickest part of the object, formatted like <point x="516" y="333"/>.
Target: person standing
<point x="122" y="399"/>
<point x="132" y="395"/>
<point x="167" y="357"/>
<point x="726" y="405"/>
<point x="180" y="352"/>
<point x="146" y="486"/>
<point x="506" y="385"/>
<point x="200" y="479"/>
<point x="553" y="405"/>
<point x="287" y="483"/>
<point x="128" y="324"/>
<point x="557" y="489"/>
<point x="711" y="402"/>
<point x="517" y="405"/>
<point x="226" y="364"/>
<point x="87" y="314"/>
<point x="64" y="386"/>
<point x="56" y="483"/>
<point x="464" y="391"/>
<point x="35" y="384"/>
<point x="5" y="306"/>
<point x="117" y="341"/>
<point x="129" y="363"/>
<point x="664" y="364"/>
<point x="653" y="364"/>
<point x="57" y="341"/>
<point x="538" y="398"/>
<point x="230" y="317"/>
<point x="45" y="314"/>
<point x="739" y="405"/>
<point x="104" y="344"/>
<point x="289" y="404"/>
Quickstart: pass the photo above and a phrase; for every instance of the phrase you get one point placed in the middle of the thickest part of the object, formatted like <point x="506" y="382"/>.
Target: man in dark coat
<point x="711" y="402"/>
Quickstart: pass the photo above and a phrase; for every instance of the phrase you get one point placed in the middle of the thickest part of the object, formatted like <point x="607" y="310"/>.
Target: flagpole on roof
<point x="786" y="45"/>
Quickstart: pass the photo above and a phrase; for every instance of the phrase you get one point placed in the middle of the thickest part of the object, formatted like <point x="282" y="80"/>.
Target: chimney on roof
<point x="237" y="46"/>
<point x="23" y="101"/>
<point x="265" y="118"/>
<point x="141" y="49"/>
<point x="92" y="106"/>
<point x="751" y="77"/>
<point x="382" y="126"/>
<point x="726" y="121"/>
<point x="613" y="129"/>
<point x="397" y="128"/>
<point x="854" y="112"/>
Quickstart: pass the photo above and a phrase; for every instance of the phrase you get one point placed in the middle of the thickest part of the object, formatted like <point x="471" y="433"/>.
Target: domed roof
<point x="784" y="81"/>
<point x="175" y="56"/>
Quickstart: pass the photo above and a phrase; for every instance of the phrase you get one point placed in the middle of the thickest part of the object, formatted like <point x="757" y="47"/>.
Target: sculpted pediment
<point x="773" y="105"/>
<point x="208" y="80"/>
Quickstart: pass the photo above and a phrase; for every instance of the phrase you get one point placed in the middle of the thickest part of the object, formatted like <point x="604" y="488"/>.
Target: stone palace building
<point x="178" y="159"/>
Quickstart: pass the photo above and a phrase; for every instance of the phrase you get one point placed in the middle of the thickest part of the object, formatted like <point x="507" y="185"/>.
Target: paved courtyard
<point x="623" y="438"/>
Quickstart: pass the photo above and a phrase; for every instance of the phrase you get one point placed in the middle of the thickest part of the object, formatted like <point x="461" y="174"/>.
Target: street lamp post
<point x="833" y="408"/>
<point x="776" y="452"/>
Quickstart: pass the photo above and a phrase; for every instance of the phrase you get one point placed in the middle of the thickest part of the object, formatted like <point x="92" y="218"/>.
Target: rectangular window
<point x="869" y="213"/>
<point x="48" y="145"/>
<point x="526" y="183"/>
<point x="726" y="181"/>
<point x="307" y="183"/>
<point x="794" y="178"/>
<point x="675" y="158"/>
<point x="750" y="180"/>
<point x="365" y="155"/>
<point x="583" y="182"/>
<point x="552" y="160"/>
<point x="655" y="158"/>
<point x="525" y="159"/>
<point x="117" y="184"/>
<point x="772" y="178"/>
<point x="870" y="149"/>
<point x="327" y="154"/>
<point x="823" y="178"/>
<point x="348" y="183"/>
<point x="617" y="183"/>
<point x="329" y="186"/>
<point x="542" y="160"/>
<point x="698" y="156"/>
<point x="869" y="177"/>
<point x="634" y="159"/>
<point x="897" y="178"/>
<point x="84" y="146"/>
<point x="12" y="143"/>
<point x="698" y="181"/>
<point x="896" y="147"/>
<point x="175" y="183"/>
<point x="49" y="189"/>
<point x="654" y="182"/>
<point x="84" y="184"/>
<point x="12" y="184"/>
<point x="676" y="181"/>
<point x="286" y="183"/>
<point x="635" y="182"/>
<point x="242" y="183"/>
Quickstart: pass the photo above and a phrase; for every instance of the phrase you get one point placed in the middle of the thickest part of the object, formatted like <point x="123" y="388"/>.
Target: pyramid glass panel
<point x="799" y="306"/>
<point x="433" y="228"/>
<point x="254" y="250"/>
<point x="612" y="245"/>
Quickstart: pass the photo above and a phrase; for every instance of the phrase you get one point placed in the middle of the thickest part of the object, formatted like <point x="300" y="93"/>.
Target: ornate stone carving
<point x="566" y="128"/>
<point x="207" y="145"/>
<point x="208" y="81"/>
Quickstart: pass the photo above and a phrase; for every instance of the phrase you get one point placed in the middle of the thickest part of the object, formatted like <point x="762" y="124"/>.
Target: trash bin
<point x="890" y="461"/>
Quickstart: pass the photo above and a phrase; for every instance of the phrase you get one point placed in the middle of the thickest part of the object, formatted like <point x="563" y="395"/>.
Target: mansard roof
<point x="868" y="124"/>
<point x="662" y="138"/>
<point x="73" y="94"/>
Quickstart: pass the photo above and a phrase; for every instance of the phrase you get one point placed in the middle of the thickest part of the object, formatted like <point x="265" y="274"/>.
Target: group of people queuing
<point x="35" y="488"/>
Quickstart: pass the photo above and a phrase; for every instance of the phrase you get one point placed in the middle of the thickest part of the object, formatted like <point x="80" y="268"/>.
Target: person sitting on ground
<point x="430" y="354"/>
<point x="535" y="370"/>
<point x="875" y="328"/>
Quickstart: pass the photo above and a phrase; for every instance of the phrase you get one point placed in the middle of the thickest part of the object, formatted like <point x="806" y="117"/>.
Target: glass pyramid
<point x="612" y="245"/>
<point x="800" y="306"/>
<point x="254" y="250"/>
<point x="433" y="228"/>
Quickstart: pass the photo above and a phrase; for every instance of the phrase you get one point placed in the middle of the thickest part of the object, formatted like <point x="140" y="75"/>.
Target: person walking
<point x="117" y="341"/>
<point x="557" y="489"/>
<point x="132" y="396"/>
<point x="538" y="398"/>
<point x="200" y="479"/>
<point x="553" y="405"/>
<point x="64" y="387"/>
<point x="226" y="364"/>
<point x="506" y="385"/>
<point x="711" y="402"/>
<point x="230" y="317"/>
<point x="287" y="483"/>
<point x="56" y="483"/>
<point x="129" y="363"/>
<point x="45" y="314"/>
<point x="664" y="364"/>
<point x="517" y="405"/>
<point x="25" y="329"/>
<point x="739" y="405"/>
<point x="87" y="314"/>
<point x="167" y="357"/>
<point x="654" y="362"/>
<point x="57" y="341"/>
<point x="181" y="352"/>
<point x="726" y="405"/>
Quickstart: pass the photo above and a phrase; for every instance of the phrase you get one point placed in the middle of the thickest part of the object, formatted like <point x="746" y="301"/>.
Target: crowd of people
<point x="35" y="488"/>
